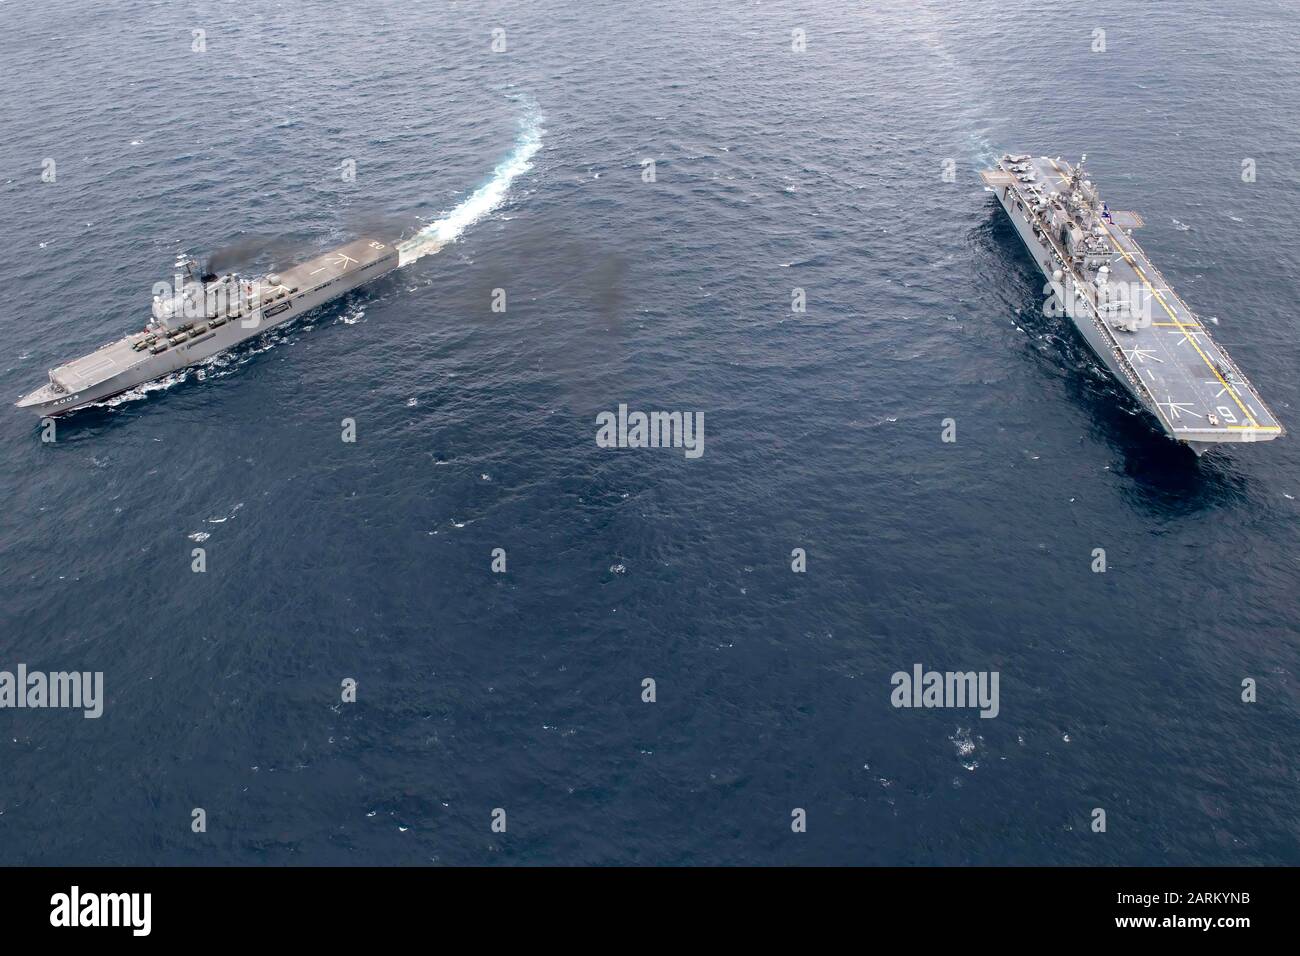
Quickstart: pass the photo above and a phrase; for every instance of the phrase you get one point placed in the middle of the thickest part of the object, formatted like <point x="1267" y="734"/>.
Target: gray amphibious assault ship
<point x="206" y="314"/>
<point x="1144" y="333"/>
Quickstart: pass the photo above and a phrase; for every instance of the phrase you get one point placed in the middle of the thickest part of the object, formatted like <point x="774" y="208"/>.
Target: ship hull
<point x="1041" y="253"/>
<point x="319" y="281"/>
<point x="1154" y="345"/>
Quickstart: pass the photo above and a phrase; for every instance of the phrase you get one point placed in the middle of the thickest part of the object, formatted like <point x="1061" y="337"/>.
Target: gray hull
<point x="1092" y="334"/>
<point x="119" y="367"/>
<point x="1165" y="357"/>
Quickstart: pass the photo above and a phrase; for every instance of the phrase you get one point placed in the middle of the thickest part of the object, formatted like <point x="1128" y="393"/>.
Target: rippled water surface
<point x="774" y="170"/>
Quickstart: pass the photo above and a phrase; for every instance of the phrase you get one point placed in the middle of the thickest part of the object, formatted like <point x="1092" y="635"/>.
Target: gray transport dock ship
<point x="1121" y="304"/>
<point x="206" y="314"/>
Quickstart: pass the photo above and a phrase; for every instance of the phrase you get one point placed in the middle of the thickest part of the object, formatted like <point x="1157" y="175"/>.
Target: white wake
<point x="483" y="200"/>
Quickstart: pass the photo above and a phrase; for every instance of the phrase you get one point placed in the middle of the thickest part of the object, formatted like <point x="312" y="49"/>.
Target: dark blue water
<point x="774" y="170"/>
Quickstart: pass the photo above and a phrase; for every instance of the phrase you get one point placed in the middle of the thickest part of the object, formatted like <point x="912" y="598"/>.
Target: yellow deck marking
<point x="1182" y="325"/>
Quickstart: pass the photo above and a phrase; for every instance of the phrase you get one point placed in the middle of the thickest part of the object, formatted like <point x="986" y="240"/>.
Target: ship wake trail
<point x="207" y="315"/>
<point x="482" y="201"/>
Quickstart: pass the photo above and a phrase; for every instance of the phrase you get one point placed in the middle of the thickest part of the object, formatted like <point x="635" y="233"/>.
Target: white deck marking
<point x="1177" y="408"/>
<point x="1137" y="352"/>
<point x="1185" y="335"/>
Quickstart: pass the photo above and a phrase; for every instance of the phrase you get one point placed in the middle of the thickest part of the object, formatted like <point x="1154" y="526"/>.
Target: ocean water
<point x="774" y="170"/>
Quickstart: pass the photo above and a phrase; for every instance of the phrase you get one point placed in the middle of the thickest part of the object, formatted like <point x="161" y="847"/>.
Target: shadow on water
<point x="250" y="251"/>
<point x="256" y="254"/>
<point x="587" y="287"/>
<point x="381" y="224"/>
<point x="1167" y="476"/>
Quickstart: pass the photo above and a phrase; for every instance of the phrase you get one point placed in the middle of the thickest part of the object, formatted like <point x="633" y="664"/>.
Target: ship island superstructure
<point x="203" y="314"/>
<point x="1148" y="338"/>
